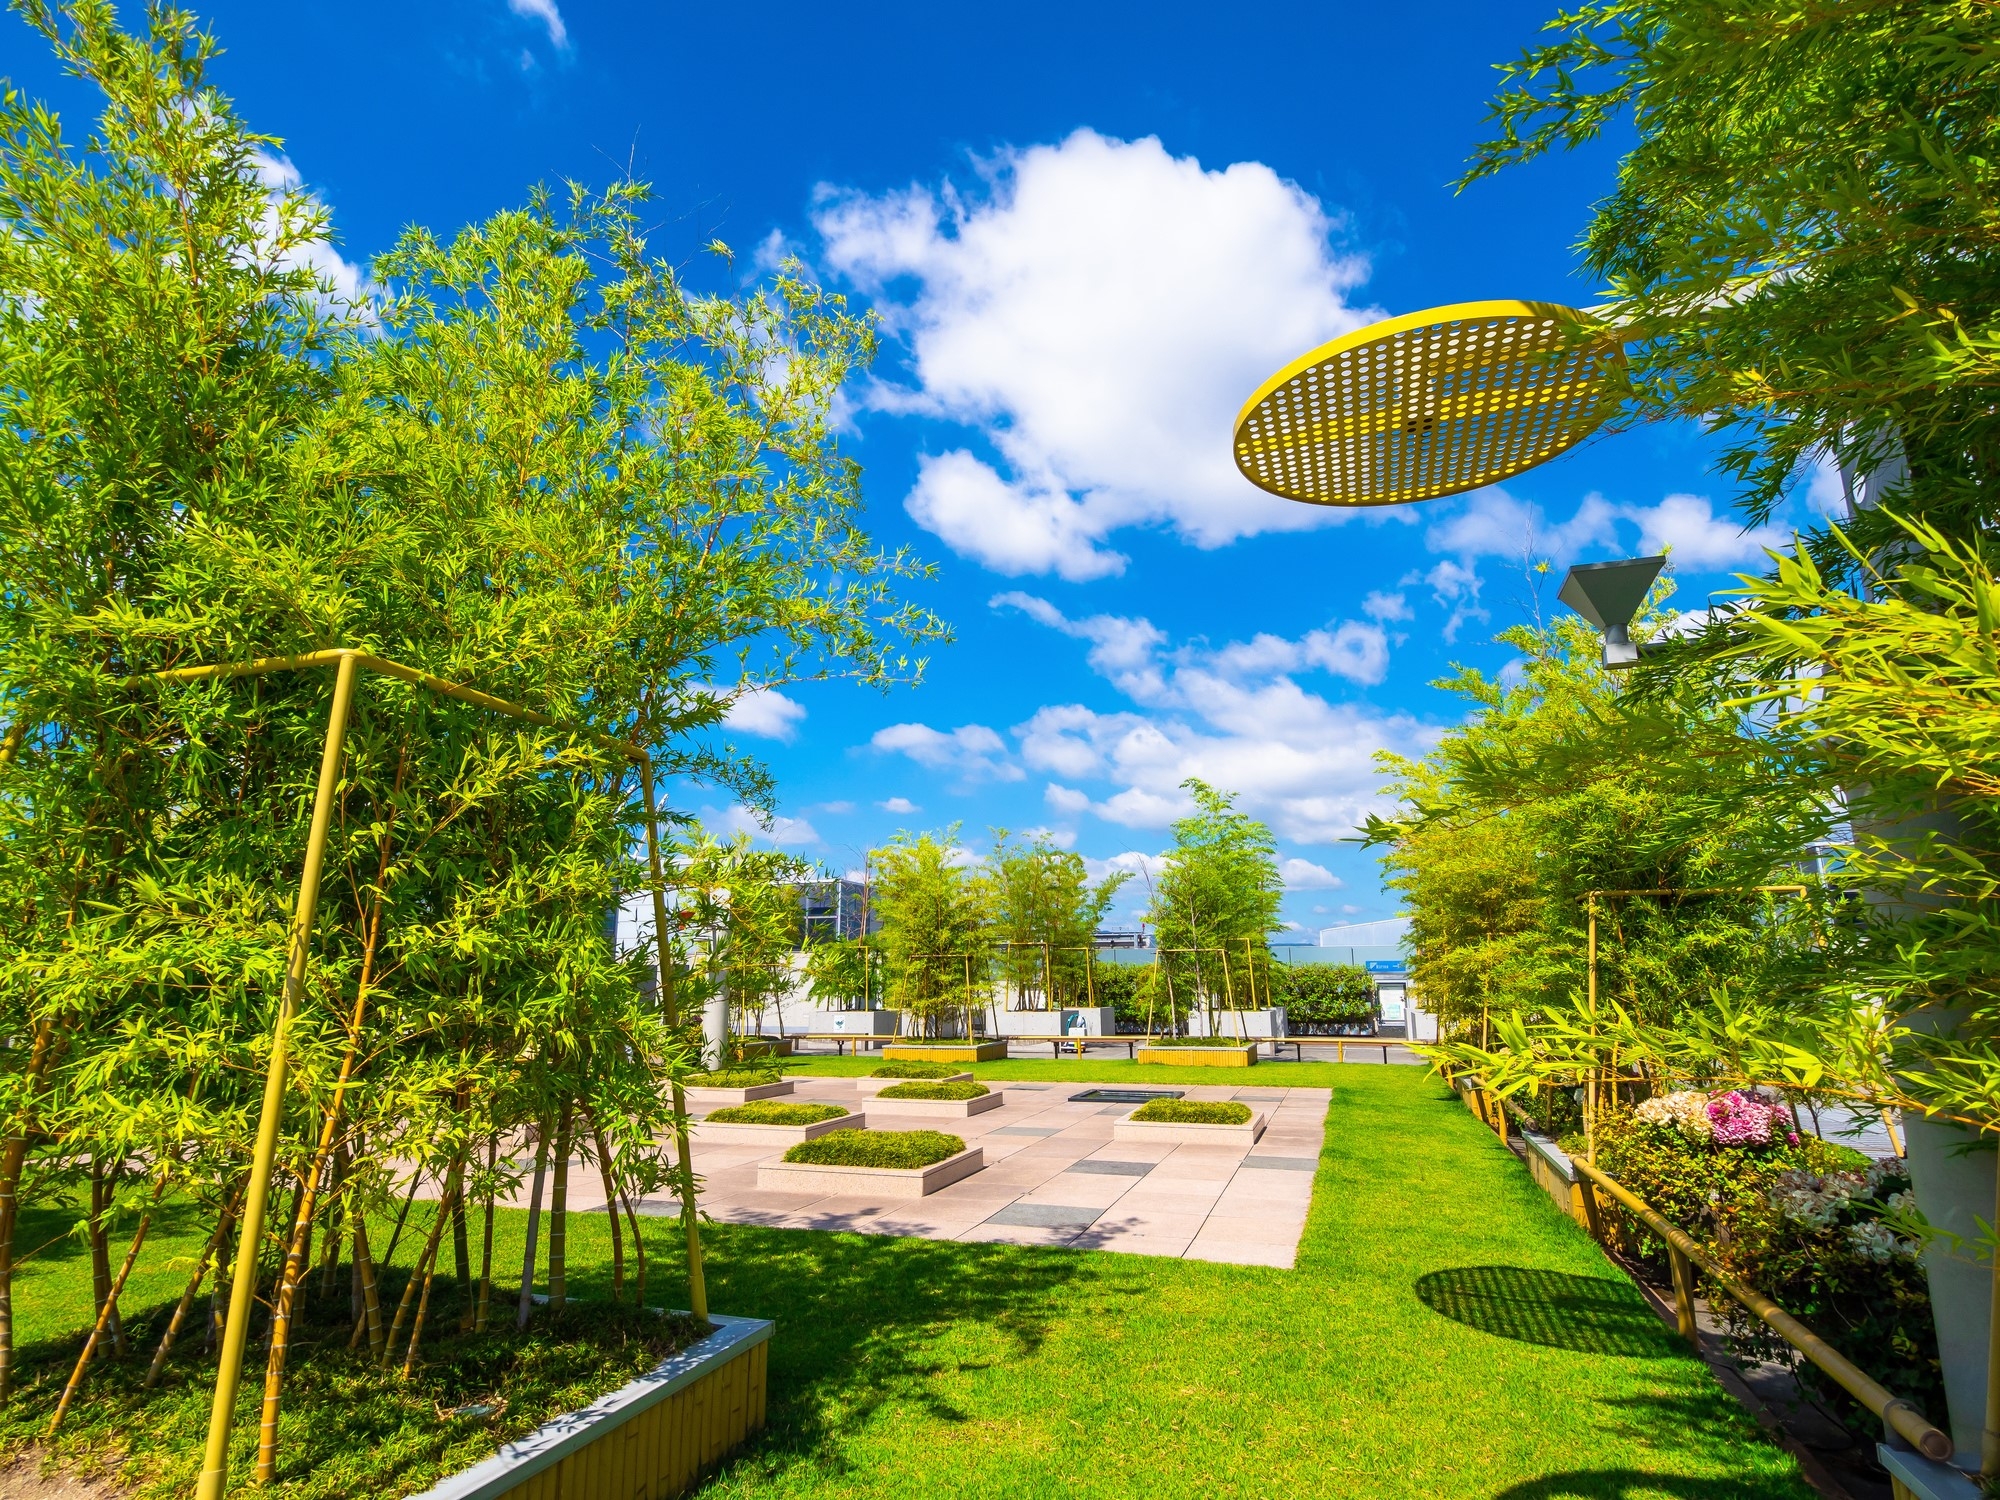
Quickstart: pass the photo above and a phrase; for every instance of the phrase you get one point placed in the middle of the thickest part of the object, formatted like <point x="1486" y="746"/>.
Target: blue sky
<point x="1090" y="230"/>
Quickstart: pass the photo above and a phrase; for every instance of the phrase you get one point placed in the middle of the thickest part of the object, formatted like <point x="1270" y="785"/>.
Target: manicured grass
<point x="915" y="1070"/>
<point x="775" y="1112"/>
<point x="905" y="1149"/>
<point x="1447" y="1333"/>
<point x="733" y="1078"/>
<point x="1192" y="1112"/>
<point x="935" y="1091"/>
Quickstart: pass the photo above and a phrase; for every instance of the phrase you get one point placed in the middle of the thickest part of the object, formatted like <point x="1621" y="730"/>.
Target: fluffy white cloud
<point x="766" y="712"/>
<point x="1686" y="527"/>
<point x="1304" y="875"/>
<point x="1095" y="311"/>
<point x="546" y="12"/>
<point x="973" y="751"/>
<point x="1132" y="862"/>
<point x="838" y="809"/>
<point x="776" y="830"/>
<point x="900" y="806"/>
<point x="348" y="283"/>
<point x="1384" y="606"/>
<point x="1493" y="523"/>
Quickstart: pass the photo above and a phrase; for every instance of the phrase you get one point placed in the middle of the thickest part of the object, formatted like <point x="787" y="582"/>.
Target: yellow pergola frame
<point x="347" y="662"/>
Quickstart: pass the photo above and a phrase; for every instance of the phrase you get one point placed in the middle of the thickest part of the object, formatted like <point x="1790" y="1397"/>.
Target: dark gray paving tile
<point x="1115" y="1168"/>
<point x="1031" y="1088"/>
<point x="1046" y="1216"/>
<point x="1283" y="1163"/>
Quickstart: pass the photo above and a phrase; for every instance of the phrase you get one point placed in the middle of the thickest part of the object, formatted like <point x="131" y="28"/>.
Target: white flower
<point x="1815" y="1199"/>
<point x="1876" y="1241"/>
<point x="1685" y="1112"/>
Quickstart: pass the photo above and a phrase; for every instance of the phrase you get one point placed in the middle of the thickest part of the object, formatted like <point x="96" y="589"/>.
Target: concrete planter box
<point x="700" y="1098"/>
<point x="1231" y="1024"/>
<point x="722" y="1133"/>
<point x="763" y="1046"/>
<point x="868" y="1182"/>
<point x="655" y="1436"/>
<point x="946" y="1052"/>
<point x="934" y="1109"/>
<point x="876" y="1085"/>
<point x="1221" y="1055"/>
<point x="1244" y="1135"/>
<point x="1079" y="1020"/>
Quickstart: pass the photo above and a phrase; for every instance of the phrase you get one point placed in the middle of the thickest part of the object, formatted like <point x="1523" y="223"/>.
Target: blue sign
<point x="1385" y="966"/>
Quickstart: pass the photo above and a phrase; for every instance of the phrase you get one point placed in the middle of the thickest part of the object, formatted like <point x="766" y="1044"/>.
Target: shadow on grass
<point x="1631" y="1484"/>
<point x="1558" y="1310"/>
<point x="864" y="1321"/>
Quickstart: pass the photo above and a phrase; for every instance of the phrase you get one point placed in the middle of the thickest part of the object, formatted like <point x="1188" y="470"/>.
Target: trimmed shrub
<point x="935" y="1091"/>
<point x="1192" y="1112"/>
<point x="776" y="1112"/>
<point x="914" y="1070"/>
<point x="877" y="1148"/>
<point x="733" y="1078"/>
<point x="1337" y="997"/>
<point x="1211" y="1042"/>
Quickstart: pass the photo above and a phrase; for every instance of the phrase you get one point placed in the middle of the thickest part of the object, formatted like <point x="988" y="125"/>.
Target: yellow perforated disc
<point x="1432" y="403"/>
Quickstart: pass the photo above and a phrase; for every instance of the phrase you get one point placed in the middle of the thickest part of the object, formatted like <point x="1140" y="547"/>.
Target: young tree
<point x="747" y="899"/>
<point x="935" y="939"/>
<point x="1216" y="904"/>
<point x="1045" y="919"/>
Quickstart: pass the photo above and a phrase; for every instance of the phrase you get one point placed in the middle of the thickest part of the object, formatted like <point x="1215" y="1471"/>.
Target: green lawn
<point x="1102" y="1067"/>
<point x="1447" y="1334"/>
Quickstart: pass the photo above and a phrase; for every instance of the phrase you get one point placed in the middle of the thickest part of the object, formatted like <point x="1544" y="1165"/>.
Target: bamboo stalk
<point x="638" y="1251"/>
<point x="559" y="1215"/>
<point x="611" y="1212"/>
<point x="431" y="1243"/>
<point x="209" y="1257"/>
<point x="527" y="1303"/>
<point x="486" y="1238"/>
<point x="430" y="1269"/>
<point x="105" y="1314"/>
<point x="11" y="1161"/>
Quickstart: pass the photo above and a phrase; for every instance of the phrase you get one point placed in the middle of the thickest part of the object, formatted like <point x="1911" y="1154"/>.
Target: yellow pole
<point x="243" y="1291"/>
<point x="697" y="1285"/>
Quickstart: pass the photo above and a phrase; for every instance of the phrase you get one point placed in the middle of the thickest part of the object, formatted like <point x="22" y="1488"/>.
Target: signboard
<point x="1385" y="966"/>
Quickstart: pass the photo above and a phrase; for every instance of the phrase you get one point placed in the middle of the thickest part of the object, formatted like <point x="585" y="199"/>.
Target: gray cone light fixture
<point x="1608" y="594"/>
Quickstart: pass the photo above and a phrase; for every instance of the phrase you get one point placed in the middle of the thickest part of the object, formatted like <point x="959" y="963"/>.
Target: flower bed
<point x="1813" y="1225"/>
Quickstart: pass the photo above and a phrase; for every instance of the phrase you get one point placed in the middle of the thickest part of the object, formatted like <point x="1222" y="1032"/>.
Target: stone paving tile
<point x="1080" y="1188"/>
<point x="1073" y="1217"/>
<point x="1112" y="1167"/>
<point x="1119" y="1220"/>
<point x="1303" y="1164"/>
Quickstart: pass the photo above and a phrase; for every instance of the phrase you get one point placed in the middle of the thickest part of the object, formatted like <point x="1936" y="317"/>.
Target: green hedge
<point x="733" y="1078"/>
<point x="1192" y="1112"/>
<point x="935" y="1091"/>
<point x="1211" y="1042"/>
<point x="915" y="1070"/>
<point x="1323" y="994"/>
<point x="776" y="1112"/>
<point x="877" y="1148"/>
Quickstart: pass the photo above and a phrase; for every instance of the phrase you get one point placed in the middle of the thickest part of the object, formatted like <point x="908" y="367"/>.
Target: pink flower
<point x="1739" y="1121"/>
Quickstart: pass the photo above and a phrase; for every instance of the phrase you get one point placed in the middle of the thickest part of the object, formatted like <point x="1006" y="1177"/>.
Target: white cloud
<point x="1826" y="492"/>
<point x="349" y="283"/>
<point x="1122" y="649"/>
<point x="740" y="819"/>
<point x="973" y="751"/>
<point x="766" y="712"/>
<point x="1304" y="875"/>
<point x="1061" y="838"/>
<point x="1383" y="606"/>
<point x="838" y="809"/>
<point x="1140" y="866"/>
<point x="1095" y="311"/>
<point x="1701" y="541"/>
<point x="544" y="11"/>
<point x="1493" y="523"/>
<point x="900" y="806"/>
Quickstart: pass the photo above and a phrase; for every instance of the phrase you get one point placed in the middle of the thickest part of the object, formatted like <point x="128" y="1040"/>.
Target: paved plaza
<point x="1053" y="1176"/>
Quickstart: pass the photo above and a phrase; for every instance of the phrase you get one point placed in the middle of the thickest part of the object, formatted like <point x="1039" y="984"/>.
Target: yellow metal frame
<point x="346" y="662"/>
<point x="1429" y="404"/>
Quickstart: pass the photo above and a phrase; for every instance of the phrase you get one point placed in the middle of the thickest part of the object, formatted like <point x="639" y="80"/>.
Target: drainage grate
<point x="1123" y="1096"/>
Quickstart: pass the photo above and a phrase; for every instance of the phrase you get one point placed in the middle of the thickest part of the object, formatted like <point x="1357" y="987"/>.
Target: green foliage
<point x="1216" y="905"/>
<point x="934" y="941"/>
<point x="1324" y="995"/>
<point x="733" y="1078"/>
<point x="775" y="1112"/>
<point x="924" y="1090"/>
<point x="743" y="904"/>
<point x="1871" y="1303"/>
<point x="903" y="1149"/>
<point x="1193" y="1112"/>
<point x="1045" y="915"/>
<point x="1799" y="245"/>
<point x="840" y="974"/>
<point x="1218" y="1043"/>
<point x="913" y="1070"/>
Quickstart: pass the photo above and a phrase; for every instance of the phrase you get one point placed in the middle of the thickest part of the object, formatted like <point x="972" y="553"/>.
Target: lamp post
<point x="1608" y="594"/>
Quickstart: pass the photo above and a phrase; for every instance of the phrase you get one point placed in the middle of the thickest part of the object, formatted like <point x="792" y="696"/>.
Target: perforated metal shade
<point x="1433" y="403"/>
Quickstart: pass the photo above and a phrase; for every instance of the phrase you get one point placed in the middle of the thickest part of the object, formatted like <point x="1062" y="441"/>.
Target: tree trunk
<point x="527" y="1302"/>
<point x="559" y="1217"/>
<point x="452" y="1195"/>
<point x="638" y="1254"/>
<point x="611" y="1212"/>
<point x="102" y="1188"/>
<point x="486" y="1239"/>
<point x="104" y="1315"/>
<point x="218" y="1295"/>
<point x="11" y="1160"/>
<point x="370" y="1316"/>
<point x="421" y="1271"/>
<point x="396" y="1234"/>
<point x="282" y="1302"/>
<point x="208" y="1258"/>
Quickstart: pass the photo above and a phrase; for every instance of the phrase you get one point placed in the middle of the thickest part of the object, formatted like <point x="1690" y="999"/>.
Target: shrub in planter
<point x="1192" y="1112"/>
<point x="935" y="1091"/>
<point x="1196" y="1041"/>
<point x="775" y="1112"/>
<point x="734" y="1078"/>
<point x="915" y="1070"/>
<point x="907" y="1149"/>
<point x="1324" y="997"/>
<point x="1798" y="1218"/>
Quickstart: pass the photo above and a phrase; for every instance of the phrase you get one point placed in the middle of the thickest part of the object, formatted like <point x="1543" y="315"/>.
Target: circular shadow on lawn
<point x="1587" y="1314"/>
